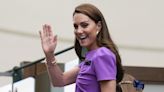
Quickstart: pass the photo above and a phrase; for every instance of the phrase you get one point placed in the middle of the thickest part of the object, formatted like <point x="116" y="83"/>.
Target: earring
<point x="97" y="32"/>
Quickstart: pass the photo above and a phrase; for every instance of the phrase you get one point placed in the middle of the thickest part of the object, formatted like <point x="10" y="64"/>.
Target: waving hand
<point x="48" y="41"/>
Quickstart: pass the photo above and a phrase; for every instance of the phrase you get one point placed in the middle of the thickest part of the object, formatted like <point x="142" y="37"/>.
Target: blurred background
<point x="136" y="26"/>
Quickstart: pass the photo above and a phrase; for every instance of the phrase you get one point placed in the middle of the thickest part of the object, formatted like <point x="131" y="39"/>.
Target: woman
<point x="100" y="69"/>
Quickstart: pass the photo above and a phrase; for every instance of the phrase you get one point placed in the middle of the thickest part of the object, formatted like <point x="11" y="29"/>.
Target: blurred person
<point x="100" y="69"/>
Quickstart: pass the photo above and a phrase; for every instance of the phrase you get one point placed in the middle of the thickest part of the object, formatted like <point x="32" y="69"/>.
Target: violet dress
<point x="99" y="65"/>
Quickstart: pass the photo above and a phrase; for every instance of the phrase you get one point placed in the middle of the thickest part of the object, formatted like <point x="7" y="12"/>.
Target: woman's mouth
<point x="82" y="37"/>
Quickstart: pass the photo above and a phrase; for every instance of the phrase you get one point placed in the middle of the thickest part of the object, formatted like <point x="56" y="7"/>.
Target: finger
<point x="50" y="31"/>
<point x="44" y="30"/>
<point x="40" y="34"/>
<point x="55" y="38"/>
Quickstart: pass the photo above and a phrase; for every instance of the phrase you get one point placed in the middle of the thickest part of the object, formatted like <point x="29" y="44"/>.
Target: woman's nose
<point x="79" y="30"/>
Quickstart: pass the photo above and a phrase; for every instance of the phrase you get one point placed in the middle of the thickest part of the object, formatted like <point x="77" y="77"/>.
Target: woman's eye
<point x="84" y="25"/>
<point x="75" y="26"/>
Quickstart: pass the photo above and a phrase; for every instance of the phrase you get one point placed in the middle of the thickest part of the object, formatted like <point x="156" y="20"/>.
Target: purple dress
<point x="99" y="65"/>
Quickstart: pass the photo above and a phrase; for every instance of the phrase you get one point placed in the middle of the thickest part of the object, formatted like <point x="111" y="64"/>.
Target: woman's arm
<point x="108" y="86"/>
<point x="59" y="78"/>
<point x="49" y="42"/>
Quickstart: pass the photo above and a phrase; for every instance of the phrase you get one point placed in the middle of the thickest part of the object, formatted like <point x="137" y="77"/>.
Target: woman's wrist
<point x="52" y="63"/>
<point x="50" y="58"/>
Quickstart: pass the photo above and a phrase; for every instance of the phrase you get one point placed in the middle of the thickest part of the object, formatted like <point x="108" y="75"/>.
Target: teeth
<point x="83" y="37"/>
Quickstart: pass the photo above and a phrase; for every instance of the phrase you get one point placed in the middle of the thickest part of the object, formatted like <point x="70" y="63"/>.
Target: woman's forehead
<point x="79" y="17"/>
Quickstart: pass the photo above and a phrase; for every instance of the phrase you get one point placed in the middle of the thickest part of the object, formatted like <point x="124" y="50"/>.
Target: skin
<point x="86" y="27"/>
<point x="86" y="32"/>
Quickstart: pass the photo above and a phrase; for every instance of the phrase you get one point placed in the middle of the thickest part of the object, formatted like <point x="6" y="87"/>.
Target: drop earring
<point x="97" y="32"/>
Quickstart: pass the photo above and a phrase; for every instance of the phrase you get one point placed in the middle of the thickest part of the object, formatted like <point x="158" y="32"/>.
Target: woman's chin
<point x="83" y="45"/>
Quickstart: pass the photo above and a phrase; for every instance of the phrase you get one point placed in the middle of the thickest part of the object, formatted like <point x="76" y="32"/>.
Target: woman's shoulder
<point x="100" y="52"/>
<point x="104" y="51"/>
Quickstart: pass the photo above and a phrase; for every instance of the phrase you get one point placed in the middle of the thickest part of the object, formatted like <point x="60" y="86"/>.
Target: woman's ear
<point x="99" y="25"/>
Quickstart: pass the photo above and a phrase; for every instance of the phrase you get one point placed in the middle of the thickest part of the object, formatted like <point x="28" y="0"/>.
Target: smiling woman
<point x="86" y="31"/>
<point x="100" y="69"/>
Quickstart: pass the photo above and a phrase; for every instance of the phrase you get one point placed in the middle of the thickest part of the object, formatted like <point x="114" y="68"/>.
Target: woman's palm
<point x="48" y="40"/>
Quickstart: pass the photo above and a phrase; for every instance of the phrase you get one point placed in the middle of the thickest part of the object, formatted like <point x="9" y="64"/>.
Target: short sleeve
<point x="105" y="66"/>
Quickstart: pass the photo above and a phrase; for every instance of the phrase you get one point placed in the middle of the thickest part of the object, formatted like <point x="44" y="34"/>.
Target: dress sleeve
<point x="105" y="66"/>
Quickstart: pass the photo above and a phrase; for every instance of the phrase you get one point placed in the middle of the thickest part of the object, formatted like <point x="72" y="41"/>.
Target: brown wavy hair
<point x="103" y="38"/>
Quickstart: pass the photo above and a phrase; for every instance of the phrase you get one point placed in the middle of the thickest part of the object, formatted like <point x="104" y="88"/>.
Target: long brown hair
<point x="103" y="37"/>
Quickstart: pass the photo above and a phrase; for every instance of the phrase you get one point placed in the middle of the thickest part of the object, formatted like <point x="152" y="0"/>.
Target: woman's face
<point x="85" y="31"/>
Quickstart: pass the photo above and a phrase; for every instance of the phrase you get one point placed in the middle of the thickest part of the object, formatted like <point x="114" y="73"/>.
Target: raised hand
<point x="48" y="41"/>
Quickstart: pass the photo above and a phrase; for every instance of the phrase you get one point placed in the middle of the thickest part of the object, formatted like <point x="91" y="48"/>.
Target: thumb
<point x="55" y="38"/>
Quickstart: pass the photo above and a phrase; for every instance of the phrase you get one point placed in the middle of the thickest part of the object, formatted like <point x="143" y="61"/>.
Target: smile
<point x="82" y="37"/>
